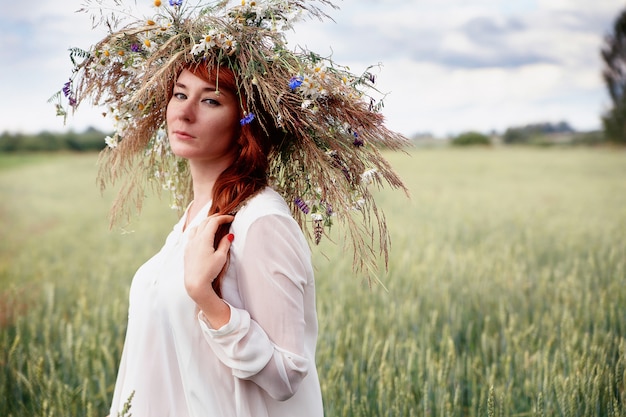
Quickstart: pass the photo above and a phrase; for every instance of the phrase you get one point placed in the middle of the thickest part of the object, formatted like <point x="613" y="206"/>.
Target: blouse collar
<point x="201" y="215"/>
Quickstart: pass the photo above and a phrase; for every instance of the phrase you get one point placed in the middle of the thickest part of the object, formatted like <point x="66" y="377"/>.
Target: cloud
<point x="449" y="65"/>
<point x="445" y="100"/>
<point x="35" y="37"/>
<point x="458" y="35"/>
<point x="488" y="30"/>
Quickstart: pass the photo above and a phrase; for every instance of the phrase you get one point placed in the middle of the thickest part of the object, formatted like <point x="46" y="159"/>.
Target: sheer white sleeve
<point x="265" y="342"/>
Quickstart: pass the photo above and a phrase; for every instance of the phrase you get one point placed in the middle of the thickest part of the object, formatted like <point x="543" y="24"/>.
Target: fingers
<point x="204" y="233"/>
<point x="225" y="243"/>
<point x="215" y="220"/>
<point x="202" y="262"/>
<point x="222" y="218"/>
<point x="212" y="222"/>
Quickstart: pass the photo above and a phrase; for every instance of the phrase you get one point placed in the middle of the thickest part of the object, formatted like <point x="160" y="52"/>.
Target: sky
<point x="447" y="66"/>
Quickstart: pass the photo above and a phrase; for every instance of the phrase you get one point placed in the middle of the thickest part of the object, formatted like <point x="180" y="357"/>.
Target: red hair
<point x="248" y="173"/>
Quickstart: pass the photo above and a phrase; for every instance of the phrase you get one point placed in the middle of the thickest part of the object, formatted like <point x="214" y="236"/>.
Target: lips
<point x="182" y="135"/>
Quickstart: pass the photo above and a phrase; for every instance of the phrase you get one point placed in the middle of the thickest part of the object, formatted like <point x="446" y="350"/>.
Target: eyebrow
<point x="205" y="89"/>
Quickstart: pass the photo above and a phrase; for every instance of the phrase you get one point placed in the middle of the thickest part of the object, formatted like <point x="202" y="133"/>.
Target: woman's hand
<point x="202" y="265"/>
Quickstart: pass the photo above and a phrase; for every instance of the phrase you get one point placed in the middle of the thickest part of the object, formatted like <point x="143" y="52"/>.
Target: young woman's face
<point x="202" y="125"/>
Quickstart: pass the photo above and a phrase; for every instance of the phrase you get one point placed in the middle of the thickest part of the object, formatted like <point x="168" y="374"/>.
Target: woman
<point x="263" y="144"/>
<point x="251" y="352"/>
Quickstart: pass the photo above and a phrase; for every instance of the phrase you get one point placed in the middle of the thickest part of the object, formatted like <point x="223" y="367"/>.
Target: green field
<point x="505" y="294"/>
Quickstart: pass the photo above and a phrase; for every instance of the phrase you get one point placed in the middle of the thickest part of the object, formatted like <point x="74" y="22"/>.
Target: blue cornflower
<point x="176" y="2"/>
<point x="247" y="119"/>
<point x="357" y="140"/>
<point x="135" y="47"/>
<point x="295" y="82"/>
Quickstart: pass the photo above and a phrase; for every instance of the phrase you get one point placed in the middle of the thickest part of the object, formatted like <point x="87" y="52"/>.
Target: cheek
<point x="168" y="112"/>
<point x="236" y="129"/>
<point x="236" y="119"/>
<point x="229" y="122"/>
<point x="230" y="132"/>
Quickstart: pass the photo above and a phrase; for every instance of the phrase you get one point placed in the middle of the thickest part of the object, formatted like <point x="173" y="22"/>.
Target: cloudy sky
<point x="448" y="66"/>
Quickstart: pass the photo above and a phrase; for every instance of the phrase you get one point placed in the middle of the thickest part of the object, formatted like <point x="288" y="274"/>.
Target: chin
<point x="180" y="150"/>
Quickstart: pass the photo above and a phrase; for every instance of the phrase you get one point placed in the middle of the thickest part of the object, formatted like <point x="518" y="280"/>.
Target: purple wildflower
<point x="295" y="82"/>
<point x="339" y="163"/>
<point x="357" y="140"/>
<point x="247" y="119"/>
<point x="135" y="47"/>
<point x="329" y="208"/>
<point x="302" y="205"/>
<point x="176" y="2"/>
<point x="67" y="92"/>
<point x="67" y="88"/>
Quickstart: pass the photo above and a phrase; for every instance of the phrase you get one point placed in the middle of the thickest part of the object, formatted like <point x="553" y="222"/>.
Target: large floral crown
<point x="332" y="125"/>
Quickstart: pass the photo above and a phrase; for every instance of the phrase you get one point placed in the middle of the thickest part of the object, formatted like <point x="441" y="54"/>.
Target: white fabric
<point x="261" y="363"/>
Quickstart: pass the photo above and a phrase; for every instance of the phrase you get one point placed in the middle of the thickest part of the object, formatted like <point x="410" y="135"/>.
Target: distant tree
<point x="8" y="142"/>
<point x="471" y="138"/>
<point x="90" y="140"/>
<point x="530" y="132"/>
<point x="514" y="135"/>
<point x="614" y="74"/>
<point x="590" y="138"/>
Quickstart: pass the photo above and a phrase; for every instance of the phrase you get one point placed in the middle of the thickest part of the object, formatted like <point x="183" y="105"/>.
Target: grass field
<point x="505" y="294"/>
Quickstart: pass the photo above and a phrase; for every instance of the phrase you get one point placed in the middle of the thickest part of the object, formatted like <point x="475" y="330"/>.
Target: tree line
<point x="89" y="140"/>
<point x="538" y="134"/>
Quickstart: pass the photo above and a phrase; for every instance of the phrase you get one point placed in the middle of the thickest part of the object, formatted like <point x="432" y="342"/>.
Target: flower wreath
<point x="333" y="127"/>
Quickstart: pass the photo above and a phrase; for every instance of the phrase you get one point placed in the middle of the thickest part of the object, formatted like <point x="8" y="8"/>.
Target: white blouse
<point x="261" y="363"/>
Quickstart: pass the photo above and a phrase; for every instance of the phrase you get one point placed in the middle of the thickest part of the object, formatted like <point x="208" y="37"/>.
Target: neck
<point x="204" y="177"/>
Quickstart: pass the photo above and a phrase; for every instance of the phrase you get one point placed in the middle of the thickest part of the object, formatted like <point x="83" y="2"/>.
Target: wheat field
<point x="504" y="295"/>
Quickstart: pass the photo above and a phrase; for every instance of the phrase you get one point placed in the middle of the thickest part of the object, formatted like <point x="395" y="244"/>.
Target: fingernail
<point x="230" y="237"/>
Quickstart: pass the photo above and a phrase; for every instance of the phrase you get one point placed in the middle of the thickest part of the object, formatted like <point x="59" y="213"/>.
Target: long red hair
<point x="248" y="173"/>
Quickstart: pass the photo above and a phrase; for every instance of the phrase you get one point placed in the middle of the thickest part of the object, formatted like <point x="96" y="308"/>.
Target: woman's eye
<point x="211" y="101"/>
<point x="180" y="96"/>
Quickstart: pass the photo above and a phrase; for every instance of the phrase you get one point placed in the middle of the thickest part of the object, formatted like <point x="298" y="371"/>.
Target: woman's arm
<point x="265" y="342"/>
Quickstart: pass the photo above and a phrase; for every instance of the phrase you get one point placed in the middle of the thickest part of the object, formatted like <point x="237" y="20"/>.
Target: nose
<point x="183" y="110"/>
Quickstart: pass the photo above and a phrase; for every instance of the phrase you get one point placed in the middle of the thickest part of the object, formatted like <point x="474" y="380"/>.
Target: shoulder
<point x="266" y="203"/>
